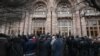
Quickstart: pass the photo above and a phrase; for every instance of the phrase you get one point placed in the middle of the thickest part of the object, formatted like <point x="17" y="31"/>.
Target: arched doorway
<point x="39" y="26"/>
<point x="39" y="18"/>
<point x="64" y="18"/>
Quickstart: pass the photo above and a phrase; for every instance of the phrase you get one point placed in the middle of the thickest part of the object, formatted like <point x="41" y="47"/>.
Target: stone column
<point x="26" y="23"/>
<point x="84" y="31"/>
<point x="78" y="25"/>
<point x="2" y="29"/>
<point x="17" y="28"/>
<point x="30" y="24"/>
<point x="48" y="21"/>
<point x="51" y="23"/>
<point x="21" y="26"/>
<point x="74" y="25"/>
<point x="48" y="27"/>
<point x="77" y="17"/>
<point x="22" y="23"/>
<point x="6" y="28"/>
<point x="54" y="22"/>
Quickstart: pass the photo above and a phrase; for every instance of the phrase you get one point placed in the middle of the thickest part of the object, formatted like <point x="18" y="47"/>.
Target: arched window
<point x="63" y="8"/>
<point x="40" y="9"/>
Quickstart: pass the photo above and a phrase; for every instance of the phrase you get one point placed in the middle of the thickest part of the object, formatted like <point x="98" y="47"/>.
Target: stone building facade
<point x="57" y="16"/>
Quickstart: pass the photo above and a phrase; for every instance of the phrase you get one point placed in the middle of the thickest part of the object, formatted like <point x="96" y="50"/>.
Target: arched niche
<point x="63" y="8"/>
<point x="40" y="9"/>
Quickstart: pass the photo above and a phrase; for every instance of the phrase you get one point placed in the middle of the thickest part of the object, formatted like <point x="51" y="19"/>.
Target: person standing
<point x="57" y="46"/>
<point x="30" y="47"/>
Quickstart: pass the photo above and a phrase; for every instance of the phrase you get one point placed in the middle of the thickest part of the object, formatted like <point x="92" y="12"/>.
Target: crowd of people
<point x="48" y="45"/>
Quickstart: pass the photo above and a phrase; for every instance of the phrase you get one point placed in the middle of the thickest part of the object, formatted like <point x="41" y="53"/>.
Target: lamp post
<point x="51" y="20"/>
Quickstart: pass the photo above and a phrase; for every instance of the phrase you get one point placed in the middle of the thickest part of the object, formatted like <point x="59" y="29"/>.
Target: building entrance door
<point x="39" y="26"/>
<point x="40" y="30"/>
<point x="65" y="26"/>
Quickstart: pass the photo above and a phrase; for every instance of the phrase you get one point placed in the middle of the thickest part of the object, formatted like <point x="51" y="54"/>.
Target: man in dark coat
<point x="30" y="47"/>
<point x="72" y="46"/>
<point x="83" y="49"/>
<point x="44" y="46"/>
<point x="48" y="44"/>
<point x="57" y="46"/>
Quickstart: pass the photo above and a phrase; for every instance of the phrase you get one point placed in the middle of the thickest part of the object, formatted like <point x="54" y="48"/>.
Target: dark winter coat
<point x="57" y="47"/>
<point x="30" y="46"/>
